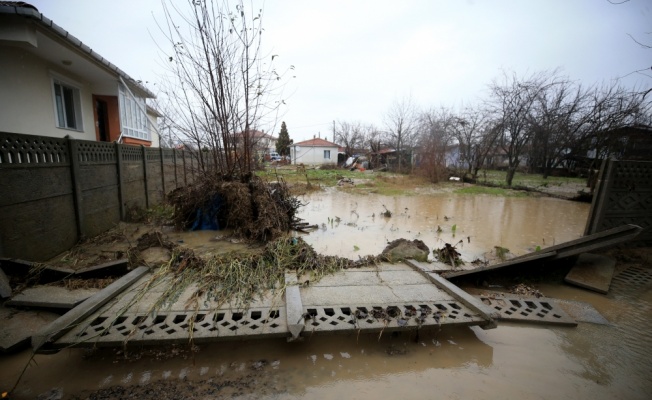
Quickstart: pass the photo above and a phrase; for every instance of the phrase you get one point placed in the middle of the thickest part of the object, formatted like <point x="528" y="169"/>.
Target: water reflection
<point x="352" y="225"/>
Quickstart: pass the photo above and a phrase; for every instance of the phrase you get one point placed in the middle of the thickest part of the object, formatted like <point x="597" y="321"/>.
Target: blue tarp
<point x="206" y="217"/>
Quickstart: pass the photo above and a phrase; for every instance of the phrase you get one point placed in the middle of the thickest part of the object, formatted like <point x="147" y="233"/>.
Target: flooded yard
<point x="353" y="225"/>
<point x="512" y="361"/>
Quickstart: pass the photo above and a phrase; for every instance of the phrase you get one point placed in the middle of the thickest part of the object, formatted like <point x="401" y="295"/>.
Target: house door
<point x="102" y="122"/>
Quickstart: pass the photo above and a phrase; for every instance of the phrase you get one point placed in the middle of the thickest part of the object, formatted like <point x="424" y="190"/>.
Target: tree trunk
<point x="510" y="176"/>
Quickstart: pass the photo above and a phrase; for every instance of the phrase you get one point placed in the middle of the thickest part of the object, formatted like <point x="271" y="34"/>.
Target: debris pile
<point x="254" y="209"/>
<point x="448" y="255"/>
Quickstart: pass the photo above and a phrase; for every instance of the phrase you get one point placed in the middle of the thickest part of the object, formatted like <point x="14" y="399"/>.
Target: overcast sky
<point x="353" y="59"/>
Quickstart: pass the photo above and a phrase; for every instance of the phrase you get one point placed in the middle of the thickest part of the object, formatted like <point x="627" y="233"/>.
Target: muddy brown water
<point x="512" y="361"/>
<point x="353" y="225"/>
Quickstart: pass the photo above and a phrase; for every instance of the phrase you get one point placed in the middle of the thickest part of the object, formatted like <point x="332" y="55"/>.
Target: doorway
<point x="102" y="121"/>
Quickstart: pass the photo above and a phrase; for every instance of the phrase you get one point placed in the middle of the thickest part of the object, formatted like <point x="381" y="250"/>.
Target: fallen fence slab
<point x="564" y="250"/>
<point x="47" y="273"/>
<point x="59" y="327"/>
<point x="513" y="262"/>
<point x="53" y="297"/>
<point x="18" y="328"/>
<point x="458" y="293"/>
<point x="582" y="311"/>
<point x="533" y="310"/>
<point x="108" y="269"/>
<point x="593" y="272"/>
<point x="293" y="305"/>
<point x="5" y="287"/>
<point x="370" y="299"/>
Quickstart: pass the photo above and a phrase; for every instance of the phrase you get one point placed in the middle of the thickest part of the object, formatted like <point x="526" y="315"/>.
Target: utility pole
<point x="333" y="131"/>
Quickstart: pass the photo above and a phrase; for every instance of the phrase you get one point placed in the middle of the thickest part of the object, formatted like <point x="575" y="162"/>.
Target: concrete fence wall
<point x="623" y="196"/>
<point x="55" y="191"/>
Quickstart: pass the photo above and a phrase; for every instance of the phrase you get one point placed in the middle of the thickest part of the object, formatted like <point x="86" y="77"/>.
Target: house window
<point x="327" y="154"/>
<point x="132" y="115"/>
<point x="67" y="105"/>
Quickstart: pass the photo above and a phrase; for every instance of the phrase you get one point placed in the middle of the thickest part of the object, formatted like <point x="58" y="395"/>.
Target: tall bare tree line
<point x="536" y="122"/>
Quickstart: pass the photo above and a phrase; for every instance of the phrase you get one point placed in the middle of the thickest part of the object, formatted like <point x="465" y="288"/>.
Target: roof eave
<point x="76" y="43"/>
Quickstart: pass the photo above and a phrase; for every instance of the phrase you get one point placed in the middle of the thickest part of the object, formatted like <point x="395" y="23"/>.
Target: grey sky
<point x="354" y="58"/>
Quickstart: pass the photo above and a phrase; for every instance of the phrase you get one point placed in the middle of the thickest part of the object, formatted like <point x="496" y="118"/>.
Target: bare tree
<point x="436" y="134"/>
<point x="350" y="135"/>
<point x="401" y="124"/>
<point x="474" y="138"/>
<point x="612" y="107"/>
<point x="561" y="113"/>
<point x="220" y="85"/>
<point x="512" y="104"/>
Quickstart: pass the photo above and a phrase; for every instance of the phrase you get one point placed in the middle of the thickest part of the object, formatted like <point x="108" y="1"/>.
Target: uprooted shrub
<point x="254" y="209"/>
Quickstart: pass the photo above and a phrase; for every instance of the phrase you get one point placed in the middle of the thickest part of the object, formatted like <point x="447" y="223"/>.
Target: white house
<point x="52" y="84"/>
<point x="315" y="151"/>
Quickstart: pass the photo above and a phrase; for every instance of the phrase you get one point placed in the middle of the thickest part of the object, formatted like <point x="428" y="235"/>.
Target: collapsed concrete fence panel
<point x="55" y="191"/>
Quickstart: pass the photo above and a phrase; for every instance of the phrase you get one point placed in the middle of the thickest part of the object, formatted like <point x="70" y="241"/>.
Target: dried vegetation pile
<point x="254" y="209"/>
<point x="238" y="278"/>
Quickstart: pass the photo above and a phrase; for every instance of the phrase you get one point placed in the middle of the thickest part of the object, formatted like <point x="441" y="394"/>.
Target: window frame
<point x="329" y="154"/>
<point x="75" y="98"/>
<point x="134" y="122"/>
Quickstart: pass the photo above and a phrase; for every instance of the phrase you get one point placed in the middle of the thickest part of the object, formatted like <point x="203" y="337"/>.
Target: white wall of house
<point x="153" y="129"/>
<point x="313" y="155"/>
<point x="27" y="102"/>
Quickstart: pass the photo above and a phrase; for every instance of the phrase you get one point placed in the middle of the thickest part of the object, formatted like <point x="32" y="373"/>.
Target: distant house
<point x="315" y="151"/>
<point x="52" y="84"/>
<point x="262" y="143"/>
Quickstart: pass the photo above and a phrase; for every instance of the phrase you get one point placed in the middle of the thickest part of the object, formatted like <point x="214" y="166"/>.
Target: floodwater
<point x="512" y="361"/>
<point x="353" y="225"/>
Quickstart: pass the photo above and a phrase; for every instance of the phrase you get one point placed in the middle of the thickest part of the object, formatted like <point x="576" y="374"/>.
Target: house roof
<point x="316" y="142"/>
<point x="29" y="12"/>
<point x="256" y="134"/>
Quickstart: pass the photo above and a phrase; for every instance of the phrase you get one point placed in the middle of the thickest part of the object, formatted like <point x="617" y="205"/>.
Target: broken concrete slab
<point x="593" y="272"/>
<point x="16" y="267"/>
<point x="523" y="309"/>
<point x="565" y="250"/>
<point x="582" y="311"/>
<point x="107" y="269"/>
<point x="54" y="297"/>
<point x="5" y="287"/>
<point x="434" y="266"/>
<point x="514" y="262"/>
<point x="593" y="242"/>
<point x="48" y="273"/>
<point x="293" y="306"/>
<point x="19" y="326"/>
<point x="59" y="327"/>
<point x="462" y="296"/>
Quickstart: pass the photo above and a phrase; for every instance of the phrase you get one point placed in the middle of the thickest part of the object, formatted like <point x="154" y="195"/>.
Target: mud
<point x="512" y="361"/>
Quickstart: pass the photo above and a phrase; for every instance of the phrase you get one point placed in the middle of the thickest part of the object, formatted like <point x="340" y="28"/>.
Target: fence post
<point x="120" y="170"/>
<point x="144" y="149"/>
<point x="73" y="150"/>
<point x="160" y="151"/>
<point x="174" y="160"/>
<point x="185" y="177"/>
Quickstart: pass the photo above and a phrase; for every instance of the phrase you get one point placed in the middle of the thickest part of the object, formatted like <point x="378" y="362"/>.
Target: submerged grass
<point x="494" y="191"/>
